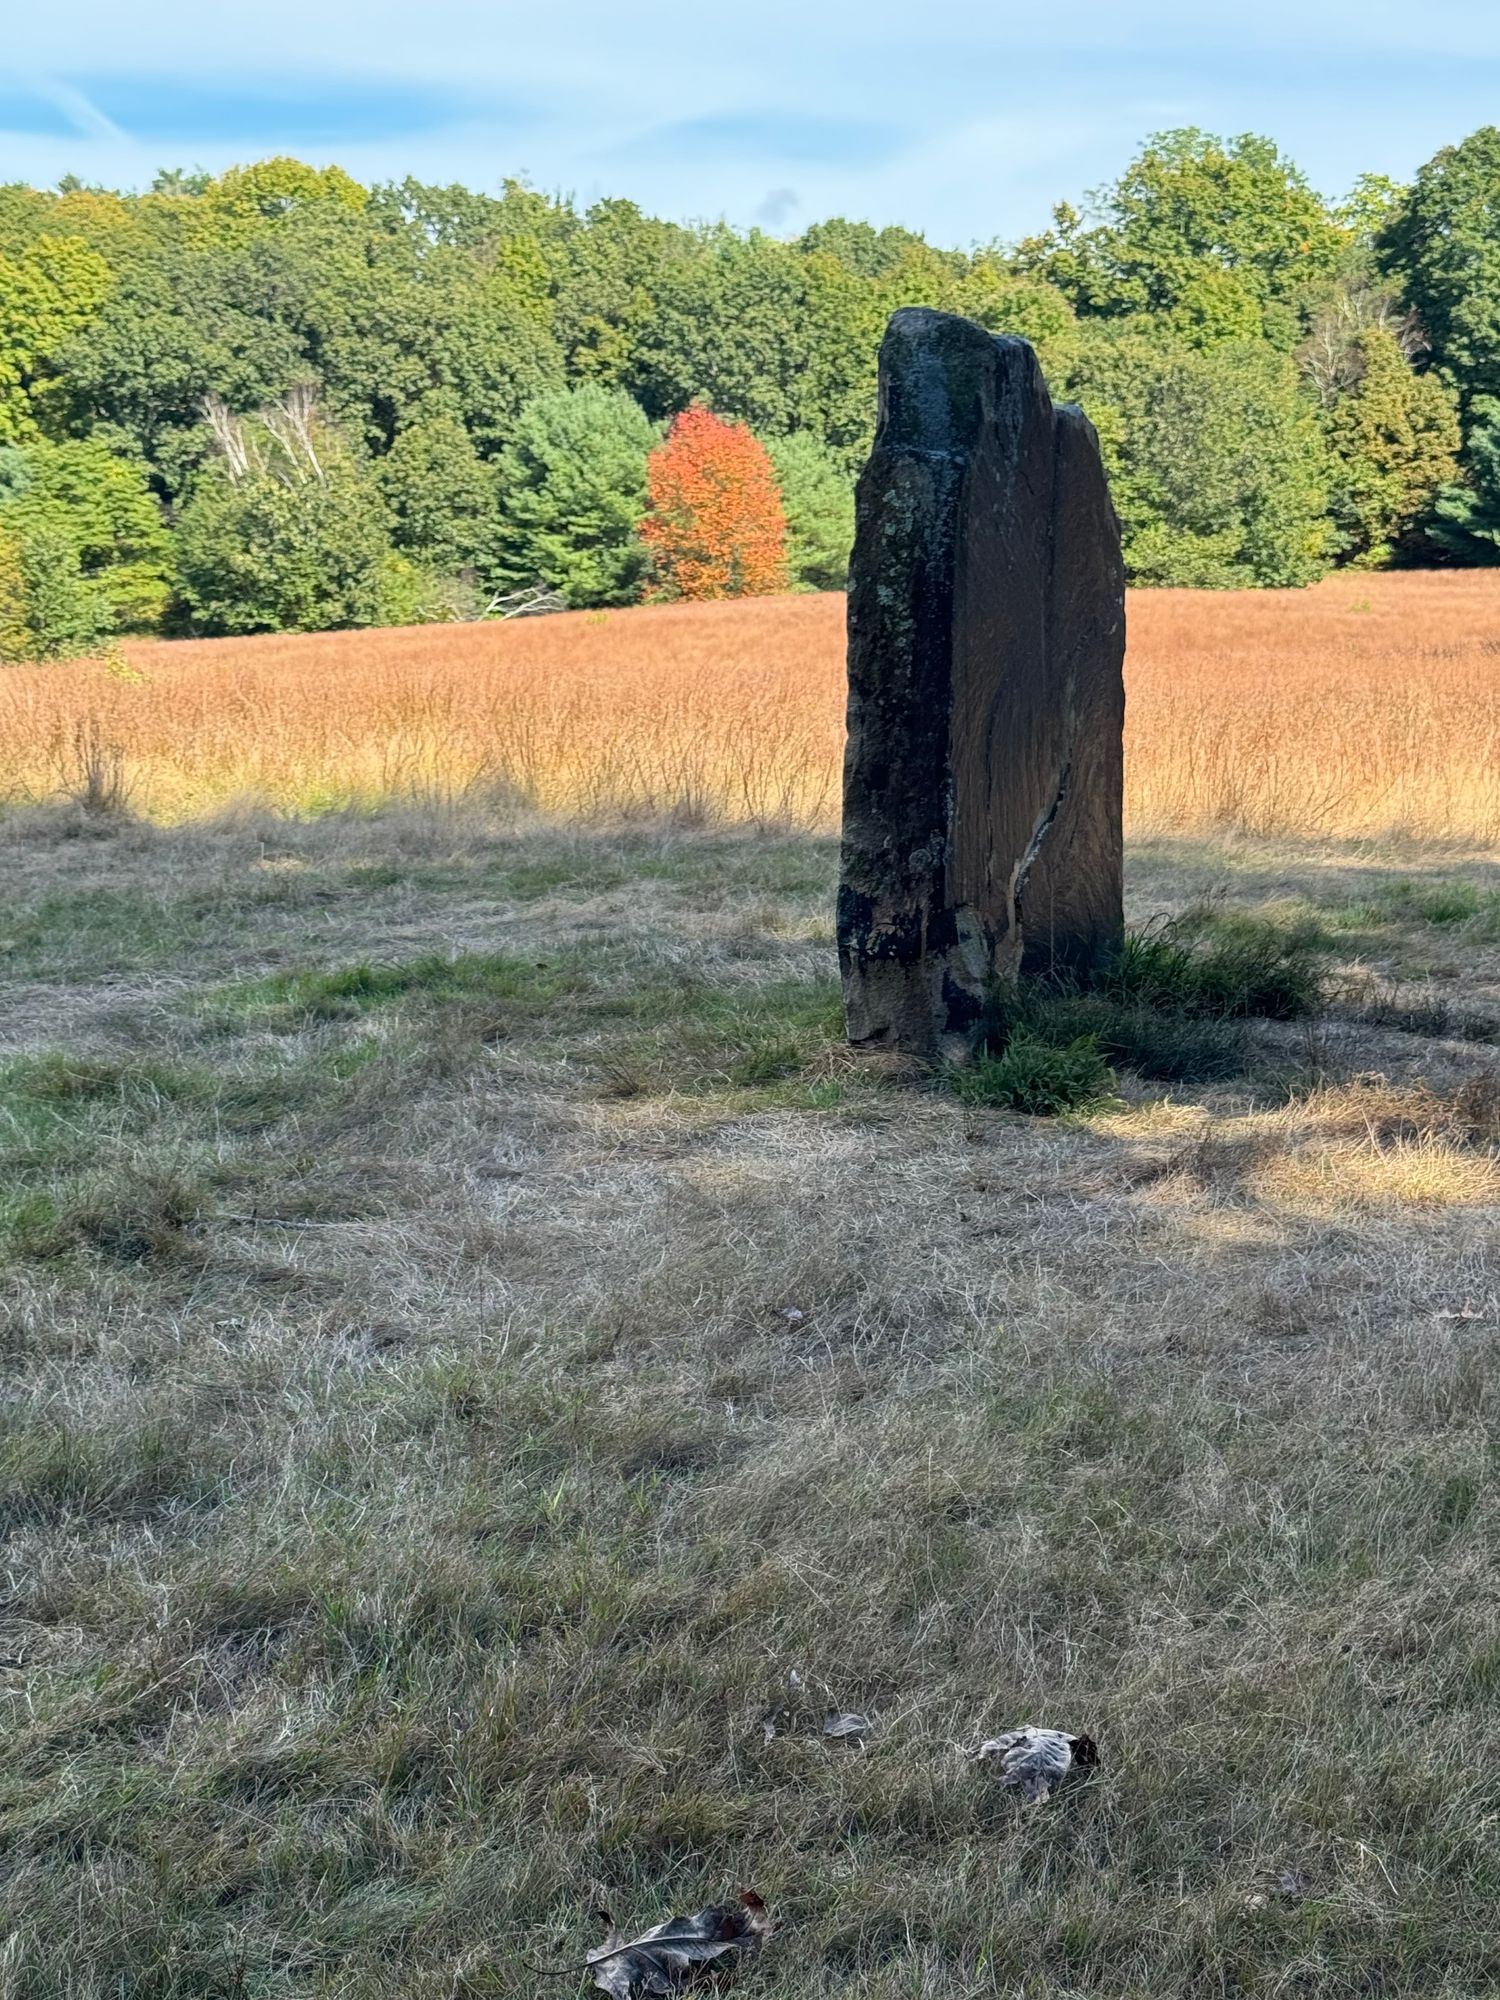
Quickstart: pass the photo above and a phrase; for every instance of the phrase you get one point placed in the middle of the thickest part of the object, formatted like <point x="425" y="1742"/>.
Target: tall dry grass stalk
<point x="1367" y="706"/>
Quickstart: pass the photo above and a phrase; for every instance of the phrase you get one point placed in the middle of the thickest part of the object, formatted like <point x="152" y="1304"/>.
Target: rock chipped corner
<point x="983" y="776"/>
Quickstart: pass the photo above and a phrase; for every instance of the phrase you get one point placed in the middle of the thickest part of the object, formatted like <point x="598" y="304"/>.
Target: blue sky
<point x="966" y="120"/>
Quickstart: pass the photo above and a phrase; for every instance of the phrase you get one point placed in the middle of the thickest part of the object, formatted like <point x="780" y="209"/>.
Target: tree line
<point x="278" y="400"/>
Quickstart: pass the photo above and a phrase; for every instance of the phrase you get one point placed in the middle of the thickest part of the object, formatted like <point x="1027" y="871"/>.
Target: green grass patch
<point x="58" y="1109"/>
<point x="287" y="1002"/>
<point x="1220" y="966"/>
<point x="762" y="1045"/>
<point x="118" y="1155"/>
<point x="1158" y="1043"/>
<point x="1037" y="1076"/>
<point x="1173" y="1007"/>
<point x="89" y="933"/>
<point x="1447" y="905"/>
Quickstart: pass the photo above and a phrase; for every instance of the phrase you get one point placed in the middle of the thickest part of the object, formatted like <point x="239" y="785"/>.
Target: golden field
<point x="1365" y="707"/>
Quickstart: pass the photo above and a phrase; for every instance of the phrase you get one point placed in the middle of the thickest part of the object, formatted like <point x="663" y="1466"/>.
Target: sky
<point x="966" y="120"/>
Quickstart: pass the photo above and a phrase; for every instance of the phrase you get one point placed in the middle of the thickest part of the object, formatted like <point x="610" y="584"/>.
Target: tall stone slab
<point x="983" y="771"/>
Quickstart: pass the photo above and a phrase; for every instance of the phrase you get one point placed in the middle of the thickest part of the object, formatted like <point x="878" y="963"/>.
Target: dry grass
<point x="469" y="1330"/>
<point x="1367" y="706"/>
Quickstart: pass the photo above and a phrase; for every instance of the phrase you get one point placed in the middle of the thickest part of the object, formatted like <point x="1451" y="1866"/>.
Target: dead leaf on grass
<point x="847" y="1728"/>
<point x="677" y="1953"/>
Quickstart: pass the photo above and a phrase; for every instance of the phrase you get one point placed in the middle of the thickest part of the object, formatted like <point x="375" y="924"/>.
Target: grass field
<point x="1366" y="706"/>
<point x="470" y="1332"/>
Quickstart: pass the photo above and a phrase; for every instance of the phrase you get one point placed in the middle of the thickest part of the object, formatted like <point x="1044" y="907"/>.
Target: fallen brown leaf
<point x="676" y="1953"/>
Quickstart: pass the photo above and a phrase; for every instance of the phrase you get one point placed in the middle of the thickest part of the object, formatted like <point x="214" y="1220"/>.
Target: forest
<point x="277" y="400"/>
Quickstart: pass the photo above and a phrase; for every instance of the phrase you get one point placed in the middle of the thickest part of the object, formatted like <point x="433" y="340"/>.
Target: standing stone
<point x="983" y="774"/>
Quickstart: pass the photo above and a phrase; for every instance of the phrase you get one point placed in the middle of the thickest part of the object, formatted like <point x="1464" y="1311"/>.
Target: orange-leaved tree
<point x="715" y="526"/>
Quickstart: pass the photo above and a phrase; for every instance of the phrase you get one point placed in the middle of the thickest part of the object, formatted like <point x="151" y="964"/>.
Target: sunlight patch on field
<point x="1427" y="1172"/>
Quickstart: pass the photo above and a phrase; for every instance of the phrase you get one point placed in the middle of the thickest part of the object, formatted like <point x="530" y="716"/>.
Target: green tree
<point x="49" y="610"/>
<point x="1369" y="208"/>
<point x="115" y="525"/>
<point x="1466" y="516"/>
<point x="729" y="329"/>
<point x="1394" y="443"/>
<point x="15" y="624"/>
<point x="139" y="374"/>
<point x="1215" y="240"/>
<point x="180" y="182"/>
<point x="247" y="198"/>
<point x="1442" y="248"/>
<point x="284" y="532"/>
<point x="817" y="497"/>
<point x="607" y="289"/>
<point x="15" y="472"/>
<point x="869" y="252"/>
<point x="842" y="320"/>
<point x="572" y="486"/>
<point x="400" y="330"/>
<point x="1218" y="467"/>
<point x="440" y="496"/>
<point x="48" y="292"/>
<point x="1010" y="301"/>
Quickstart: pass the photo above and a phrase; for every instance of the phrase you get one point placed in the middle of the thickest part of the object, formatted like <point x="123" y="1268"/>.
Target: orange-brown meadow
<point x="1368" y="705"/>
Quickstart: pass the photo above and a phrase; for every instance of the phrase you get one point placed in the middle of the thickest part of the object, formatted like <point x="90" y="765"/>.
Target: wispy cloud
<point x="968" y="124"/>
<point x="78" y="110"/>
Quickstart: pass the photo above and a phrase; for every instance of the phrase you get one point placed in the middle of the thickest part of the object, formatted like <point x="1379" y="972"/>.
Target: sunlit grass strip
<point x="1363" y="708"/>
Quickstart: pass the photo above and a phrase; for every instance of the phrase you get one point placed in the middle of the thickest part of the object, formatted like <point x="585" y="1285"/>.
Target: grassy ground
<point x="469" y="1332"/>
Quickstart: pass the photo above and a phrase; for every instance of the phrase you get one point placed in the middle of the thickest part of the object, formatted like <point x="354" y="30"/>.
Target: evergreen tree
<point x="1466" y="517"/>
<point x="572" y="489"/>
<point x="1394" y="443"/>
<point x="817" y="497"/>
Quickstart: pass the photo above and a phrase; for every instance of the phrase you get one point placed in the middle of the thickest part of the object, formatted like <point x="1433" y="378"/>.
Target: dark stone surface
<point x="983" y="773"/>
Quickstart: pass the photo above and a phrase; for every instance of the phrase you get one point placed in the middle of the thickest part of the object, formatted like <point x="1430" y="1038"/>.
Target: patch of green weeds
<point x="798" y="869"/>
<point x="1448" y="905"/>
<point x="117" y="1156"/>
<point x="1157" y="1043"/>
<point x="57" y="1078"/>
<point x="130" y="1214"/>
<point x="1172" y="1007"/>
<point x="87" y="933"/>
<point x="1221" y="966"/>
<point x="290" y="1001"/>
<point x="1037" y="1076"/>
<point x="56" y="1109"/>
<point x="706" y="1040"/>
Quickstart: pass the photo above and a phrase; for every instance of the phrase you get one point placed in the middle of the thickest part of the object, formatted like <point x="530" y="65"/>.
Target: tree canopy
<point x="1282" y="383"/>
